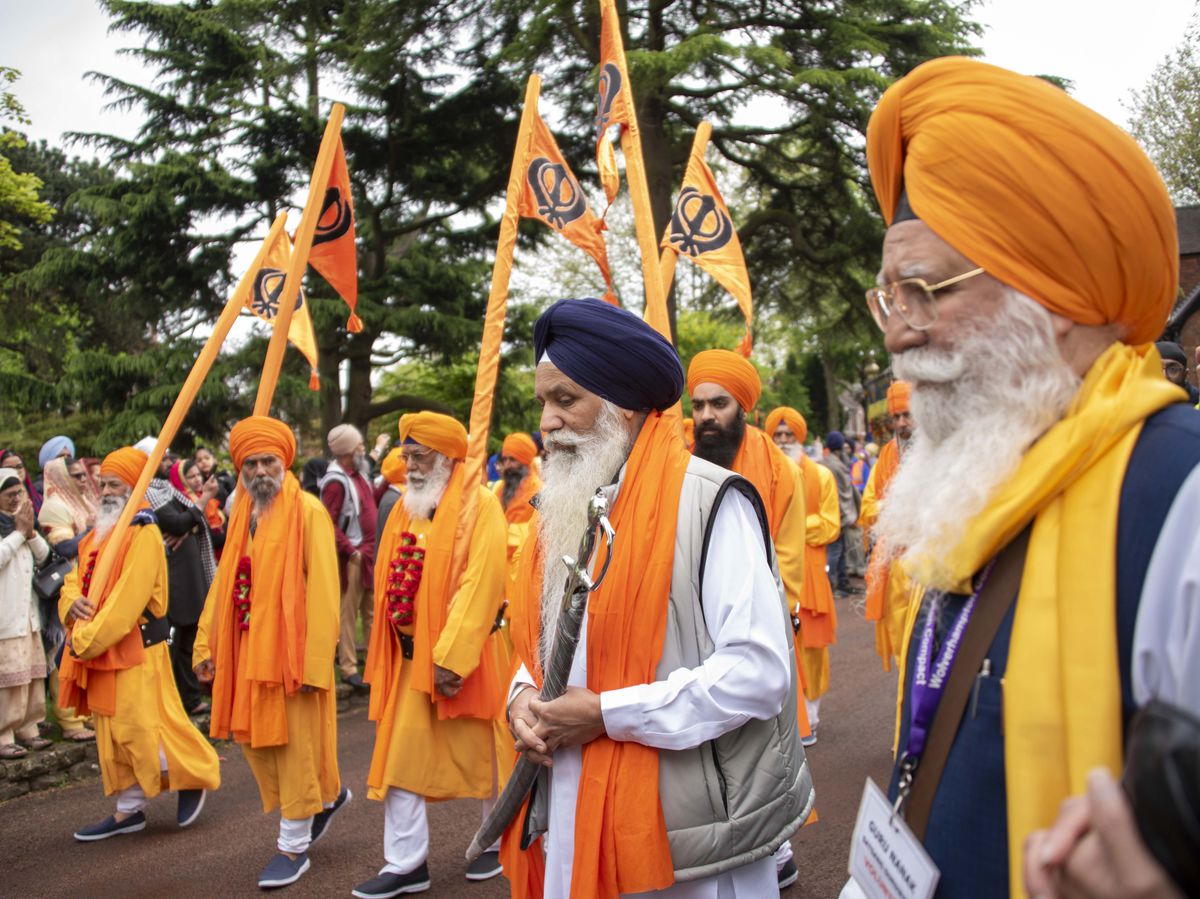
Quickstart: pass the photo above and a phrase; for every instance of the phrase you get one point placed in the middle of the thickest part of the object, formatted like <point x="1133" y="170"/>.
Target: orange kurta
<point x="818" y="616"/>
<point x="889" y="589"/>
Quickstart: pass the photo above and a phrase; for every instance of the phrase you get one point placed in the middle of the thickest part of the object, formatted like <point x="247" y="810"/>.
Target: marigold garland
<point x="404" y="578"/>
<point x="241" y="594"/>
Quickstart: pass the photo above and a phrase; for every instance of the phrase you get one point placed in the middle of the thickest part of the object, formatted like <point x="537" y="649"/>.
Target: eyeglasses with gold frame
<point x="912" y="298"/>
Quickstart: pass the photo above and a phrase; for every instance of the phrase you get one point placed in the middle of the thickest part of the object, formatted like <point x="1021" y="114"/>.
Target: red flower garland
<point x="404" y="578"/>
<point x="241" y="594"/>
<point x="89" y="571"/>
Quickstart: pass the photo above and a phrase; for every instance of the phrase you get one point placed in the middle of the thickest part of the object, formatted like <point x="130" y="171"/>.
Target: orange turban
<point x="126" y="463"/>
<point x="394" y="468"/>
<point x="521" y="447"/>
<point x="1042" y="192"/>
<point x="731" y="371"/>
<point x="794" y="420"/>
<point x="436" y="431"/>
<point x="898" y="394"/>
<point x="261" y="434"/>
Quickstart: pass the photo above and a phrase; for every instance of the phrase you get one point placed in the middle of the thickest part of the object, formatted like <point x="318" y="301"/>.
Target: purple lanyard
<point x="930" y="674"/>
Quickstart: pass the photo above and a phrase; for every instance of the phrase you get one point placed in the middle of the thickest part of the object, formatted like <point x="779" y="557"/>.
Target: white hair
<point x="423" y="492"/>
<point x="978" y="406"/>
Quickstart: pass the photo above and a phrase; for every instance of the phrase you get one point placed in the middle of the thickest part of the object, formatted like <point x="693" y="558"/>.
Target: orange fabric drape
<point x="89" y="685"/>
<point x="620" y="833"/>
<point x="879" y="571"/>
<point x="259" y="667"/>
<point x="519" y="510"/>
<point x="818" y="615"/>
<point x="765" y="466"/>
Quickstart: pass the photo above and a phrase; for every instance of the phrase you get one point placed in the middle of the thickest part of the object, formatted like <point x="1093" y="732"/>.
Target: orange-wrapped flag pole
<point x="669" y="258"/>
<point x="493" y="328"/>
<point x="181" y="407"/>
<point x="299" y="261"/>
<point x="639" y="190"/>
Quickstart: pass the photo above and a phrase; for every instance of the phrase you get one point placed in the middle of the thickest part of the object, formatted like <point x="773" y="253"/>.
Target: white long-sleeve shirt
<point x="748" y="676"/>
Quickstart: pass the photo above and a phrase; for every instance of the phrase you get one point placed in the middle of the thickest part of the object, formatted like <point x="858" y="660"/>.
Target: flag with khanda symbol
<point x="701" y="230"/>
<point x="333" y="252"/>
<point x="262" y="300"/>
<point x="613" y="106"/>
<point x="551" y="194"/>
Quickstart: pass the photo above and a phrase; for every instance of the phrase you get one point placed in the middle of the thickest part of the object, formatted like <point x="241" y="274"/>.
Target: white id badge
<point x="886" y="860"/>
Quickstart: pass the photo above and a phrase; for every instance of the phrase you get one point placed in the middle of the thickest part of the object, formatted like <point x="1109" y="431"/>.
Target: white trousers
<point x="814" y="712"/>
<point x="405" y="831"/>
<point x="132" y="800"/>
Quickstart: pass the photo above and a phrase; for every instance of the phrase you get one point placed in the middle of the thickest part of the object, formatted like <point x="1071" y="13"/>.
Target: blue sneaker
<point x="281" y="871"/>
<point x="322" y="818"/>
<point x="111" y="827"/>
<point x="191" y="803"/>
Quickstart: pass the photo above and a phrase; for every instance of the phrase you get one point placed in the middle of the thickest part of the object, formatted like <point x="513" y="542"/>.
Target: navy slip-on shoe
<point x="191" y="803"/>
<point x="281" y="871"/>
<point x="111" y="827"/>
<point x="485" y="867"/>
<point x="322" y="818"/>
<point x="387" y="884"/>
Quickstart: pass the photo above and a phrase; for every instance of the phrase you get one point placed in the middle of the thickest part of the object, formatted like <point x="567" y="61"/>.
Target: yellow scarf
<point x="1062" y="709"/>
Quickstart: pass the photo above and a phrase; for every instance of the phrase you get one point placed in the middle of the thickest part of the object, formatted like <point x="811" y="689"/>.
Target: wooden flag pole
<point x="493" y="328"/>
<point x="299" y="262"/>
<point x="181" y="407"/>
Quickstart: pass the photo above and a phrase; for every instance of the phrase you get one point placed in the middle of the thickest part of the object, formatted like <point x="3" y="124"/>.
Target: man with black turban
<point x="680" y="714"/>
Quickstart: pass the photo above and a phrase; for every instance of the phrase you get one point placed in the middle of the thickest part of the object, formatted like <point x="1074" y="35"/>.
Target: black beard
<point x="720" y="445"/>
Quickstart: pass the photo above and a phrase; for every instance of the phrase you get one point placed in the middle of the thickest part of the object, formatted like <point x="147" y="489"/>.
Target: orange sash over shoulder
<point x="90" y="685"/>
<point x="519" y="510"/>
<point x="818" y="615"/>
<point x="765" y="466"/>
<point x="620" y="833"/>
<point x="259" y="667"/>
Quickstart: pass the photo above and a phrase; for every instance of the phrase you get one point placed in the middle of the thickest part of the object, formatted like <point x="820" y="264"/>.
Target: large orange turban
<point x="1042" y="192"/>
<point x="393" y="468"/>
<point x="261" y="434"/>
<point x="789" y="416"/>
<point x="126" y="463"/>
<point x="731" y="371"/>
<point x="436" y="431"/>
<point x="521" y="447"/>
<point x="898" y="394"/>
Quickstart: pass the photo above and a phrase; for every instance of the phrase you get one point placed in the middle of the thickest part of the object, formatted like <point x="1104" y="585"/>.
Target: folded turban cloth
<point x="731" y="371"/>
<point x="9" y="478"/>
<point x="789" y="416"/>
<point x="52" y="447"/>
<point x="1168" y="349"/>
<point x="126" y="463"/>
<point x="610" y="352"/>
<point x="436" y="431"/>
<point x="259" y="435"/>
<point x="394" y="468"/>
<point x="344" y="439"/>
<point x="1043" y="193"/>
<point x="520" y="447"/>
<point x="898" y="394"/>
<point x="835" y="440"/>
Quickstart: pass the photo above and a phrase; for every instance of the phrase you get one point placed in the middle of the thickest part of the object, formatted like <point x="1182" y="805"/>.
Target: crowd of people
<point x="1027" y="537"/>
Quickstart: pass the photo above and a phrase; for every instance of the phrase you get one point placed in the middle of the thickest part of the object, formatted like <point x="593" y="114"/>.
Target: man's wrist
<point x="521" y="690"/>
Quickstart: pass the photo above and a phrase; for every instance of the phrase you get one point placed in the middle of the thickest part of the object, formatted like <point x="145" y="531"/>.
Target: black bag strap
<point x="996" y="598"/>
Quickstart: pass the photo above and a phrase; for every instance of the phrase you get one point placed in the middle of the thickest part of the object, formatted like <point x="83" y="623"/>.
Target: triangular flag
<point x="333" y="253"/>
<point x="612" y="105"/>
<point x="263" y="301"/>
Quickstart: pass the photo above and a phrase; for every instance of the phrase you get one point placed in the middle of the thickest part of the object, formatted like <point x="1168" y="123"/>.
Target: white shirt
<point x="748" y="676"/>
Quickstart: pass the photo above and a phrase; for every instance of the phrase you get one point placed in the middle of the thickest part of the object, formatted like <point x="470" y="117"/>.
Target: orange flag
<point x="702" y="230"/>
<point x="263" y="301"/>
<point x="333" y="253"/>
<point x="552" y="194"/>
<point x="612" y="106"/>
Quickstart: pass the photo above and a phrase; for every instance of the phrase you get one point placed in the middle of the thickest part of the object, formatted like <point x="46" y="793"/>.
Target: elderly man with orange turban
<point x="1049" y="503"/>
<point x="889" y="589"/>
<point x="814" y="617"/>
<point x="519" y="483"/>
<point x="267" y="641"/>
<point x="433" y="664"/>
<point x="118" y="668"/>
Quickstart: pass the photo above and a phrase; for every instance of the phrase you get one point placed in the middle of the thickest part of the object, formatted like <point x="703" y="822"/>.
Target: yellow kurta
<point x="900" y="590"/>
<point x="791" y="540"/>
<point x="149" y="714"/>
<point x="448" y="758"/>
<point x="823" y="526"/>
<point x="301" y="776"/>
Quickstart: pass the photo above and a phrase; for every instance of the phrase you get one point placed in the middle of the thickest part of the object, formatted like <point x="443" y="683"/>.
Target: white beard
<point x="423" y="492"/>
<point x="107" y="515"/>
<point x="793" y="451"/>
<point x="576" y="465"/>
<point x="978" y="407"/>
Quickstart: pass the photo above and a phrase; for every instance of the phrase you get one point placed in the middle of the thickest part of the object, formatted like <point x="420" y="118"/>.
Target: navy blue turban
<point x="610" y="352"/>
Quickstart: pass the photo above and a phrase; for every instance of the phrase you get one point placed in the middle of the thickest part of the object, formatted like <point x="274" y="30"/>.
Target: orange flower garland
<point x="404" y="577"/>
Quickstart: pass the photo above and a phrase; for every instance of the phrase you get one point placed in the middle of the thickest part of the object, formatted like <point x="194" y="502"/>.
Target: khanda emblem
<point x="264" y="296"/>
<point x="610" y="87"/>
<point x="560" y="200"/>
<point x="335" y="219"/>
<point x="698" y="225"/>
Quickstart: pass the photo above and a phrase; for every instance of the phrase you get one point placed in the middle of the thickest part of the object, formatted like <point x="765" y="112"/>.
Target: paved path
<point x="222" y="854"/>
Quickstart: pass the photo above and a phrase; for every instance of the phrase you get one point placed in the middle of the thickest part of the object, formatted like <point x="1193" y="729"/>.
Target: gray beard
<point x="423" y="492"/>
<point x="978" y="407"/>
<point x="262" y="490"/>
<point x="106" y="517"/>
<point x="577" y="464"/>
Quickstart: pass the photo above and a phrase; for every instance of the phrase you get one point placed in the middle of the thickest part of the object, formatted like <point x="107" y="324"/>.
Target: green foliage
<point x="18" y="191"/>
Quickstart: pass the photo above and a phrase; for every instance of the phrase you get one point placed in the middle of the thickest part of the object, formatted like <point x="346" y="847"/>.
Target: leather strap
<point x="997" y="597"/>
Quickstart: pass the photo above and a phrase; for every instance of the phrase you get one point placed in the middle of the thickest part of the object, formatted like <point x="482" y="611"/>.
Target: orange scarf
<point x="90" y="685"/>
<point x="765" y="466"/>
<point x="259" y="667"/>
<point x="818" y="617"/>
<point x="879" y="571"/>
<point x="519" y="511"/>
<point x="481" y="694"/>
<point x="620" y="833"/>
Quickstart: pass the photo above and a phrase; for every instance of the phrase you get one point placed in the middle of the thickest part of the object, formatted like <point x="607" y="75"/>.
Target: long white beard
<point x="793" y="451"/>
<point x="423" y="492"/>
<point x="576" y="465"/>
<point x="978" y="407"/>
<point x="107" y="515"/>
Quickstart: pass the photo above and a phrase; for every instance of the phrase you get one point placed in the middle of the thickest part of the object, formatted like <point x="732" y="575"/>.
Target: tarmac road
<point x="223" y="852"/>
